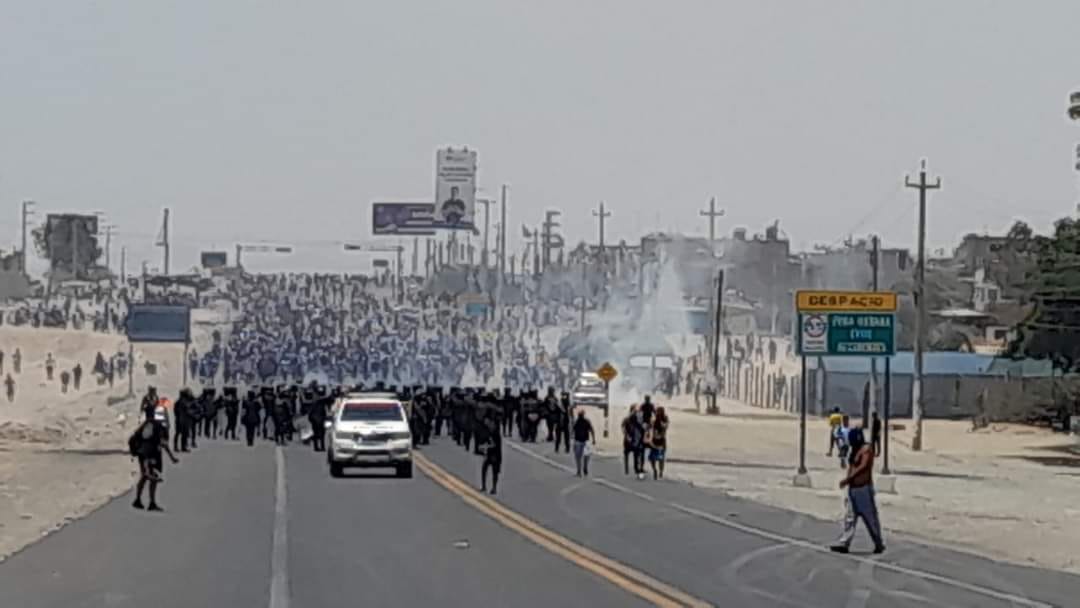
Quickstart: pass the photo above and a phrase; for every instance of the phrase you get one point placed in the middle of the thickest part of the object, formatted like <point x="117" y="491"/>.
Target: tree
<point x="1052" y="330"/>
<point x="56" y="239"/>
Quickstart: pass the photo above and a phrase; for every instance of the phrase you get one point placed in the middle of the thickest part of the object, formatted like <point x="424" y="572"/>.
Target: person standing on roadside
<point x="835" y="418"/>
<point x="634" y="441"/>
<point x="658" y="443"/>
<point x="842" y="442"/>
<point x="9" y="386"/>
<point x="859" y="502"/>
<point x="50" y="365"/>
<point x="628" y="449"/>
<point x="147" y="444"/>
<point x="583" y="434"/>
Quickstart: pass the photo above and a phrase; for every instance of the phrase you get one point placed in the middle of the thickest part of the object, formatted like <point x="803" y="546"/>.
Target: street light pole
<point x="26" y="213"/>
<point x="487" y="225"/>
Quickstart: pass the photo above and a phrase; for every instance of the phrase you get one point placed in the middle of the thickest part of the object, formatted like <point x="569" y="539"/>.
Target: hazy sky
<point x="283" y="121"/>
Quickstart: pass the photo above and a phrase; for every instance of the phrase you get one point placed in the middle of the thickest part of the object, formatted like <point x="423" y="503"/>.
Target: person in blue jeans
<point x="860" y="503"/>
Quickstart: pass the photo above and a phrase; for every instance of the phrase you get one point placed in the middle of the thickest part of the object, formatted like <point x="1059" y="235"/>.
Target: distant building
<point x="993" y="255"/>
<point x="763" y="271"/>
<point x="850" y="267"/>
<point x="14" y="285"/>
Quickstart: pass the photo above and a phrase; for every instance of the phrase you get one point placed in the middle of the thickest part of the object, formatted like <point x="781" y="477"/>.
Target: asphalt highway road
<point x="253" y="527"/>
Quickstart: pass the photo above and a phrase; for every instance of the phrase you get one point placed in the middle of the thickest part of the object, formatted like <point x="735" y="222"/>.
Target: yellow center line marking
<point x="620" y="575"/>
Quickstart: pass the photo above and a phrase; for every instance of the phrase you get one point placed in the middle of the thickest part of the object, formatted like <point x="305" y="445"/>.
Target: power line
<point x="889" y="197"/>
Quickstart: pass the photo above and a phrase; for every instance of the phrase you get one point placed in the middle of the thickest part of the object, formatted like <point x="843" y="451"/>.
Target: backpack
<point x="135" y="442"/>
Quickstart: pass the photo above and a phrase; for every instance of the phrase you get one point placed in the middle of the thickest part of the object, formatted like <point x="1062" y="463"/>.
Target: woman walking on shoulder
<point x="658" y="443"/>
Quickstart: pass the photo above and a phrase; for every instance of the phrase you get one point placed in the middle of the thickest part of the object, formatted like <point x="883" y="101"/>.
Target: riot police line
<point x="473" y="417"/>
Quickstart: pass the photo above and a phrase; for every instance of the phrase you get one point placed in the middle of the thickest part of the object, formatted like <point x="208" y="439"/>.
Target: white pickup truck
<point x="369" y="431"/>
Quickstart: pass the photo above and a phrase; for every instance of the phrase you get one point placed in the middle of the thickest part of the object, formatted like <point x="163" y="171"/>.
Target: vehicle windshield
<point x="371" y="412"/>
<point x="589" y="383"/>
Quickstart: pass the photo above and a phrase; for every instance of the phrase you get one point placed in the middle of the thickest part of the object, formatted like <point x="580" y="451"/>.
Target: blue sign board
<point x="868" y="334"/>
<point x="154" y="323"/>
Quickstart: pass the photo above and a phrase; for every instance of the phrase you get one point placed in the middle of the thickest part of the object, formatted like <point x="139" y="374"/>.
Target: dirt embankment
<point x="63" y="454"/>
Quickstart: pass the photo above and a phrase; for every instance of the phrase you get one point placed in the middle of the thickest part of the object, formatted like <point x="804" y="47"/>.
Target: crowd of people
<point x="342" y="329"/>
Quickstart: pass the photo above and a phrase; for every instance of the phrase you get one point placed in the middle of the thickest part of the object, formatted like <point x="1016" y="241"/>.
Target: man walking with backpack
<point x="147" y="444"/>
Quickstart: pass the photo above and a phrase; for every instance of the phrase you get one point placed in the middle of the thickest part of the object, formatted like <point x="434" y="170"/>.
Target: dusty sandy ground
<point x="63" y="455"/>
<point x="1009" y="492"/>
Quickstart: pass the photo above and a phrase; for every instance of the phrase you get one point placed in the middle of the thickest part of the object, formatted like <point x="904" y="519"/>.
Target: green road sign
<point x="847" y="333"/>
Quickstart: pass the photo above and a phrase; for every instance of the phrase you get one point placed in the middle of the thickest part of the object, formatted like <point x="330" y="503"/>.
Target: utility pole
<point x="920" y="305"/>
<point x="123" y="266"/>
<point x="75" y="248"/>
<point x="26" y="213"/>
<point x="415" y="254"/>
<point x="536" y="252"/>
<point x="601" y="215"/>
<point x="164" y="242"/>
<point x="144" y="271"/>
<point x="239" y="249"/>
<point x="400" y="278"/>
<point x="871" y="401"/>
<point x="551" y="239"/>
<point x="712" y="214"/>
<point x="502" y="235"/>
<point x="487" y="226"/>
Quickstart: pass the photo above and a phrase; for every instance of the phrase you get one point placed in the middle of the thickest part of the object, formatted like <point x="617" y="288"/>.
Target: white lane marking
<point x="860" y="591"/>
<point x="279" y="556"/>
<point x="1016" y="600"/>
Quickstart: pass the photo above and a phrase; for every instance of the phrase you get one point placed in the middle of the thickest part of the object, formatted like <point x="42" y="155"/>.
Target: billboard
<point x="455" y="189"/>
<point x="402" y="218"/>
<point x="70" y="242"/>
<point x="158" y="323"/>
<point x="214" y="259"/>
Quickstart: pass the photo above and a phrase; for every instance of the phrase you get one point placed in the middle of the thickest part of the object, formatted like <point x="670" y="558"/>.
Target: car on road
<point x="589" y="390"/>
<point x="369" y="431"/>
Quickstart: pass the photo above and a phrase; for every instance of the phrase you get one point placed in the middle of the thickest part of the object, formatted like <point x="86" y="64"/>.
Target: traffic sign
<point x="845" y="301"/>
<point x="607" y="372"/>
<point x="846" y="323"/>
<point x="847" y="333"/>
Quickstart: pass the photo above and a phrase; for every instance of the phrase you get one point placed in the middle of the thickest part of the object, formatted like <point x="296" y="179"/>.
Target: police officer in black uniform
<point x="267" y="398"/>
<point x="550" y="411"/>
<point x="194" y="420"/>
<point x="281" y="419"/>
<point x="232" y="411"/>
<point x="511" y="409"/>
<point x="530" y="416"/>
<point x="251" y="420"/>
<point x="562" y="423"/>
<point x="492" y="451"/>
<point x="316" y="415"/>
<point x="430" y="411"/>
<point x="443" y="413"/>
<point x="210" y="405"/>
<point x="182" y="419"/>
